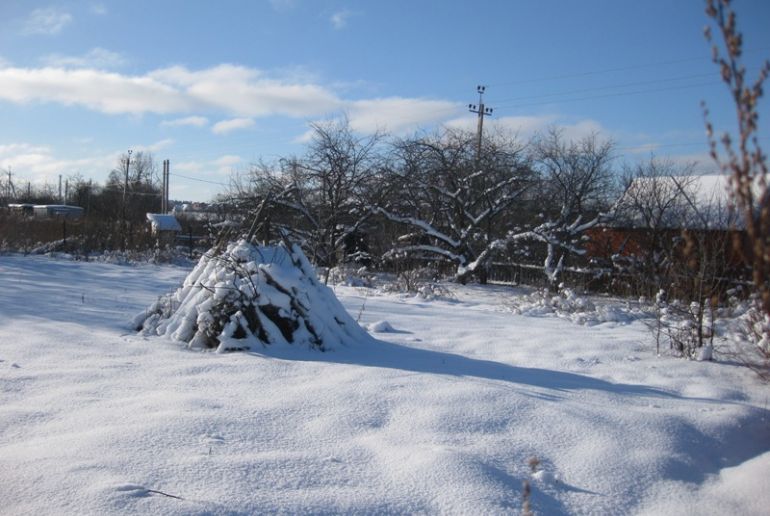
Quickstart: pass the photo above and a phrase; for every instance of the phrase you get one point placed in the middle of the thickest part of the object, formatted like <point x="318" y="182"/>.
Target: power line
<point x="622" y="68"/>
<point x="600" y="88"/>
<point x="200" y="180"/>
<point x="653" y="146"/>
<point x="618" y="94"/>
<point x="131" y="193"/>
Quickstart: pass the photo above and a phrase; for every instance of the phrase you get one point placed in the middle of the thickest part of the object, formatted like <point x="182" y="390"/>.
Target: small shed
<point x="164" y="227"/>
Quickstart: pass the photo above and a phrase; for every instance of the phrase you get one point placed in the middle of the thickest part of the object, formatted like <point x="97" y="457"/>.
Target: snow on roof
<point x="161" y="222"/>
<point x="58" y="207"/>
<point x="58" y="210"/>
<point x="679" y="202"/>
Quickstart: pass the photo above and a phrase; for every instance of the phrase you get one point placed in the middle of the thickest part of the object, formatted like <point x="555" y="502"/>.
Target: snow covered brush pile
<point x="249" y="296"/>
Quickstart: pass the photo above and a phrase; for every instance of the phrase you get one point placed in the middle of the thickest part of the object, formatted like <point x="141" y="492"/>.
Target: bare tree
<point x="131" y="191"/>
<point x="743" y="159"/>
<point x="142" y="171"/>
<point x="451" y="201"/>
<point x="698" y="271"/>
<point x="651" y="212"/>
<point x="577" y="183"/>
<point x="322" y="199"/>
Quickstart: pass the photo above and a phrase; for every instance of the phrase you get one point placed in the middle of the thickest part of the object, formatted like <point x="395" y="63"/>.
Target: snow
<point x="381" y="327"/>
<point x="441" y="416"/>
<point x="247" y="297"/>
<point x="163" y="222"/>
<point x="708" y="193"/>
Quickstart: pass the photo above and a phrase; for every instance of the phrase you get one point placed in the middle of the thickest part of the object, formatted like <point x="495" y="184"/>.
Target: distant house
<point x="657" y="209"/>
<point x="58" y="211"/>
<point x="164" y="227"/>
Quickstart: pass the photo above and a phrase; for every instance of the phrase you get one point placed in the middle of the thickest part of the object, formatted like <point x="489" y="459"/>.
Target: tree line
<point x="434" y="198"/>
<point x="115" y="212"/>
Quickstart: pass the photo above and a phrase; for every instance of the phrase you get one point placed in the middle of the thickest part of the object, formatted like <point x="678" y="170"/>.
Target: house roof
<point x="162" y="222"/>
<point x="677" y="202"/>
<point x="58" y="210"/>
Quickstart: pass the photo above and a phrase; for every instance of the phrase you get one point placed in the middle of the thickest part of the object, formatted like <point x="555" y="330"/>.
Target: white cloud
<point x="247" y="92"/>
<point x="525" y="127"/>
<point x="48" y="20"/>
<point x="98" y="9"/>
<point x="283" y="5"/>
<point x="339" y="20"/>
<point x="398" y="114"/>
<point x="703" y="162"/>
<point x="41" y="164"/>
<point x="224" y="165"/>
<point x="643" y="148"/>
<point x="226" y="126"/>
<point x="154" y="147"/>
<point x="99" y="58"/>
<point x="227" y="160"/>
<point x="188" y="167"/>
<point x="106" y="92"/>
<point x="582" y="129"/>
<point x="14" y="149"/>
<point x="238" y="92"/>
<point x="194" y="121"/>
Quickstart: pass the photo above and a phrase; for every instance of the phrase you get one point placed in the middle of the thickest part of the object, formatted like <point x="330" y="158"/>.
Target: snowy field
<point x="440" y="415"/>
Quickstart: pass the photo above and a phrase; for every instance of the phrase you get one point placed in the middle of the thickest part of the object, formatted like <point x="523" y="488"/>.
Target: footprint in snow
<point x="15" y="366"/>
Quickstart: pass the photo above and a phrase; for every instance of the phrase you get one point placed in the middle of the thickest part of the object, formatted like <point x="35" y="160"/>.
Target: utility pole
<point x="163" y="190"/>
<point x="164" y="195"/>
<point x="125" y="190"/>
<point x="482" y="111"/>
<point x="60" y="197"/>
<point x="168" y="182"/>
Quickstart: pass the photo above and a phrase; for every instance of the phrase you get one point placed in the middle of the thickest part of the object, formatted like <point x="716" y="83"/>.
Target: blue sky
<point x="216" y="86"/>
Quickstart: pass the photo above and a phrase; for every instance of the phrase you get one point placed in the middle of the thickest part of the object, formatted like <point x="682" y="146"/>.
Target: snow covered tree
<point x="577" y="185"/>
<point x="466" y="211"/>
<point x="453" y="203"/>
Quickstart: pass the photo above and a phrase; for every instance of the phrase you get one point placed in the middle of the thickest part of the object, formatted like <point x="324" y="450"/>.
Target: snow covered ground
<point x="440" y="415"/>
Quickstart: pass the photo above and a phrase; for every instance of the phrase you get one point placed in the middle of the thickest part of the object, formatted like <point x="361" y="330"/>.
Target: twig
<point x="164" y="494"/>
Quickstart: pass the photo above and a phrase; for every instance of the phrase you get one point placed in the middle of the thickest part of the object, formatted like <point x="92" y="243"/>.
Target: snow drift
<point x="250" y="296"/>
